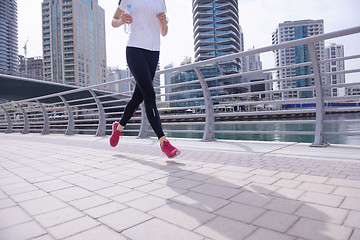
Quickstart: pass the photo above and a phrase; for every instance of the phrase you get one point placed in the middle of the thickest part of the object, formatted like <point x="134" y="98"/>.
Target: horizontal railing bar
<point x="267" y="122"/>
<point x="342" y="121"/>
<point x="340" y="72"/>
<point x="183" y="131"/>
<point x="342" y="85"/>
<point x="264" y="92"/>
<point x="83" y="105"/>
<point x="284" y="112"/>
<point x="350" y="133"/>
<point x="81" y="99"/>
<point x="183" y="123"/>
<point x="339" y="59"/>
<point x="265" y="132"/>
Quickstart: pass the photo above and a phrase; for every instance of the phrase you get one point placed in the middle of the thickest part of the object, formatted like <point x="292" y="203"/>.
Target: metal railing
<point x="203" y="97"/>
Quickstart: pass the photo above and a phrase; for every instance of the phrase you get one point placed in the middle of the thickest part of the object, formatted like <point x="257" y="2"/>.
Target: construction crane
<point x="25" y="55"/>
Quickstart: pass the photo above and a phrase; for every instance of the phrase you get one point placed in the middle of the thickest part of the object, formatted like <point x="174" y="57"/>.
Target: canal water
<point x="338" y="127"/>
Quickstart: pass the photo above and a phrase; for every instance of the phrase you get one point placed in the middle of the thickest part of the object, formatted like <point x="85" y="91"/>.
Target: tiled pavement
<point x="62" y="187"/>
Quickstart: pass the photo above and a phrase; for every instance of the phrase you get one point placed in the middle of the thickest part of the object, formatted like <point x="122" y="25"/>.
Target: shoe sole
<point x="177" y="154"/>
<point x="113" y="128"/>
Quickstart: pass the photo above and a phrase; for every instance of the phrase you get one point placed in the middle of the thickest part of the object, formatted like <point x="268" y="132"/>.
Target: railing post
<point x="46" y="127"/>
<point x="320" y="113"/>
<point x="209" y="108"/>
<point x="101" y="131"/>
<point x="26" y="128"/>
<point x="9" y="122"/>
<point x="71" y="121"/>
<point x="145" y="125"/>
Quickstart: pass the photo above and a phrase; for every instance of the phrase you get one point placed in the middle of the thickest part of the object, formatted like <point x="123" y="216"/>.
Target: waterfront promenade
<point x="78" y="187"/>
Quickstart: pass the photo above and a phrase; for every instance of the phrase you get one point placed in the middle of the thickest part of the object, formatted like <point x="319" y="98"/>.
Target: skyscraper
<point x="252" y="63"/>
<point x="9" y="61"/>
<point x="217" y="31"/>
<point x="292" y="30"/>
<point x="74" y="42"/>
<point x="334" y="51"/>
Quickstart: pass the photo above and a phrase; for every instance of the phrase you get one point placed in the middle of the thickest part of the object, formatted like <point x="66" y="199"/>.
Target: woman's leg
<point x="131" y="107"/>
<point x="142" y="64"/>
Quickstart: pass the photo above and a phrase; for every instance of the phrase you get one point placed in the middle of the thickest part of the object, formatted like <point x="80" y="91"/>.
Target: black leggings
<point x="142" y="64"/>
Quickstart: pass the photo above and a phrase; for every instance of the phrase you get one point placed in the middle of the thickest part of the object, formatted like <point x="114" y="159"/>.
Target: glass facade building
<point x="292" y="30"/>
<point x="74" y="50"/>
<point x="217" y="32"/>
<point x="9" y="60"/>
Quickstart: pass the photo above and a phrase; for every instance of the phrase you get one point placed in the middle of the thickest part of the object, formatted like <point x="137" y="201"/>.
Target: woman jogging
<point x="147" y="19"/>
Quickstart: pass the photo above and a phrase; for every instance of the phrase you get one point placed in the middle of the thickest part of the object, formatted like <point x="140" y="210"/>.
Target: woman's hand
<point x="164" y="22"/>
<point x="120" y="17"/>
<point x="126" y="18"/>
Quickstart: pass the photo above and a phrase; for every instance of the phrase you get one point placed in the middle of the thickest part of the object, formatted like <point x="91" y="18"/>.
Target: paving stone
<point x="344" y="182"/>
<point x="347" y="191"/>
<point x="262" y="179"/>
<point x="276" y="221"/>
<point x="224" y="228"/>
<point x="7" y="202"/>
<point x="12" y="216"/>
<point x="322" y="213"/>
<point x="264" y="172"/>
<point x="89" y="202"/>
<point x="53" y="185"/>
<point x="351" y="203"/>
<point x="262" y="234"/>
<point x="124" y="219"/>
<point x="184" y="184"/>
<point x="72" y="227"/>
<point x="168" y="192"/>
<point x="201" y="201"/>
<point x="287" y="183"/>
<point x="216" y="190"/>
<point x="71" y="194"/>
<point x="240" y="212"/>
<point x="283" y="205"/>
<point x="355" y="235"/>
<point x="288" y="193"/>
<point x="321" y="198"/>
<point x="313" y="179"/>
<point x="182" y="215"/>
<point x="317" y="230"/>
<point x="160" y="230"/>
<point x="353" y="219"/>
<point x="29" y="195"/>
<point x="316" y="187"/>
<point x="105" y="209"/>
<point x="129" y="196"/>
<point x="100" y="232"/>
<point x="42" y="205"/>
<point x="147" y="203"/>
<point x="58" y="216"/>
<point x="113" y="191"/>
<point x="26" y="230"/>
<point x="43" y="237"/>
<point x="251" y="198"/>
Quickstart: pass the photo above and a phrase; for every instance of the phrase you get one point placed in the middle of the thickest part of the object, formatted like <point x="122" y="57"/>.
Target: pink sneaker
<point x="170" y="150"/>
<point x="114" y="139"/>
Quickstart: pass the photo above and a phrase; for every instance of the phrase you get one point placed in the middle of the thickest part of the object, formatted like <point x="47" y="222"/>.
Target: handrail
<point x="205" y="102"/>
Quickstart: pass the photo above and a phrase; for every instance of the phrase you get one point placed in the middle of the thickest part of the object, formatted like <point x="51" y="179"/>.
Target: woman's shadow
<point x="228" y="208"/>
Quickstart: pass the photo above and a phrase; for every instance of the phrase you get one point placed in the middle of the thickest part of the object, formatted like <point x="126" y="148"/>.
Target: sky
<point x="258" y="19"/>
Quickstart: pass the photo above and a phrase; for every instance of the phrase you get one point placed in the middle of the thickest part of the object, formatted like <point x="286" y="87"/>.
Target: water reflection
<point x="338" y="127"/>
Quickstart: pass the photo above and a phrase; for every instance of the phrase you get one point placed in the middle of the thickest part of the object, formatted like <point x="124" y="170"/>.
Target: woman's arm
<point x="120" y="18"/>
<point x="164" y="23"/>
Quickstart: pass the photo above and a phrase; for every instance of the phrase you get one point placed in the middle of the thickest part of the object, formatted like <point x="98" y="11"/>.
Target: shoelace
<point x="169" y="146"/>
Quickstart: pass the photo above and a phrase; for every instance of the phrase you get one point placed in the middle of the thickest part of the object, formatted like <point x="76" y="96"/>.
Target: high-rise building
<point x="334" y="51"/>
<point x="33" y="68"/>
<point x="9" y="60"/>
<point x="252" y="63"/>
<point x="292" y="30"/>
<point x="74" y="42"/>
<point x="217" y="32"/>
<point x="167" y="80"/>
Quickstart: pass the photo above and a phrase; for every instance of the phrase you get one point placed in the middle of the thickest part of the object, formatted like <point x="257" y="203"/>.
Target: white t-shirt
<point x="145" y="28"/>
